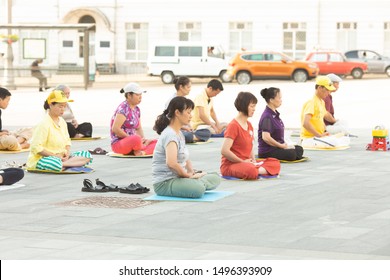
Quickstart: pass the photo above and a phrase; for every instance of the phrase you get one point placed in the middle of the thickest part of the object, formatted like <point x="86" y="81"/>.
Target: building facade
<point x="125" y="30"/>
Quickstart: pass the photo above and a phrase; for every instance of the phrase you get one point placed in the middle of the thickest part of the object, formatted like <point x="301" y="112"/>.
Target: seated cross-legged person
<point x="172" y="171"/>
<point x="127" y="135"/>
<point x="12" y="140"/>
<point x="313" y="132"/>
<point x="271" y="130"/>
<point x="238" y="159"/>
<point x="50" y="144"/>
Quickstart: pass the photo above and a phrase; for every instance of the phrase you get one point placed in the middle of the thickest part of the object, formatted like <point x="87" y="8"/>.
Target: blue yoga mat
<point x="207" y="197"/>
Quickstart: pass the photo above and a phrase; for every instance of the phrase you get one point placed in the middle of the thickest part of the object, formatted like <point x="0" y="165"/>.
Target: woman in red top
<point x="238" y="159"/>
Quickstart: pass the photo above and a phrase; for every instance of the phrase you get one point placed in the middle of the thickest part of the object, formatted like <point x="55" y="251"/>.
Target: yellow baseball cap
<point x="325" y="82"/>
<point x="57" y="96"/>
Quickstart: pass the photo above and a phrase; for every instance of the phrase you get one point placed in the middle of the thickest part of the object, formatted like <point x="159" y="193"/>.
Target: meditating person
<point x="75" y="129"/>
<point x="12" y="140"/>
<point x="183" y="88"/>
<point x="50" y="144"/>
<point x="9" y="176"/>
<point x="127" y="135"/>
<point x="313" y="133"/>
<point x="271" y="142"/>
<point x="204" y="115"/>
<point x="238" y="159"/>
<point x="332" y="124"/>
<point x="172" y="171"/>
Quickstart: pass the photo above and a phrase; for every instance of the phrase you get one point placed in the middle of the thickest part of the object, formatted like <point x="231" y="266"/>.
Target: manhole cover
<point x="107" y="202"/>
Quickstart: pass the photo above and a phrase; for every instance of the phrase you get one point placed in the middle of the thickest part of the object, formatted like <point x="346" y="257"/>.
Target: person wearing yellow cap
<point x="312" y="118"/>
<point x="50" y="144"/>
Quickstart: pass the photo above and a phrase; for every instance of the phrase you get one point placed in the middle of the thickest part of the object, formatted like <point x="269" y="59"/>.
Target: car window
<point x="165" y="51"/>
<point x="190" y="51"/>
<point x="253" y="57"/>
<point x="319" y="57"/>
<point x="273" y="57"/>
<point x="368" y="55"/>
<point x="336" y="57"/>
<point x="353" y="54"/>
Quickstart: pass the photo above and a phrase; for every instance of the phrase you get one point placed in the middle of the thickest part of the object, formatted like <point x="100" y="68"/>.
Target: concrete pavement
<point x="335" y="206"/>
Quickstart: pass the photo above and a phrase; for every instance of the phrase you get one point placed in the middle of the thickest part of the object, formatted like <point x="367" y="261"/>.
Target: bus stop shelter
<point x="81" y="27"/>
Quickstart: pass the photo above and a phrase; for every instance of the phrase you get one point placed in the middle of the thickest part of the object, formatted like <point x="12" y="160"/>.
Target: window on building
<point x="240" y="37"/>
<point x="104" y="44"/>
<point x="294" y="39"/>
<point x="137" y="41"/>
<point x="386" y="44"/>
<point x="190" y="31"/>
<point x="346" y="35"/>
<point x="67" y="44"/>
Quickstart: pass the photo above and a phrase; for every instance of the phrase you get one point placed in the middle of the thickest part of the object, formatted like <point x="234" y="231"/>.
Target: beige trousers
<point x="10" y="142"/>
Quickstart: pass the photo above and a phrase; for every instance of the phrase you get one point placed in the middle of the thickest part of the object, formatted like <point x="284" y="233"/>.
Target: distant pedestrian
<point x="36" y="72"/>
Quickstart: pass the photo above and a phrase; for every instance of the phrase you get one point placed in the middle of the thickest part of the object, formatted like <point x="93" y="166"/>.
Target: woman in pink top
<point x="127" y="135"/>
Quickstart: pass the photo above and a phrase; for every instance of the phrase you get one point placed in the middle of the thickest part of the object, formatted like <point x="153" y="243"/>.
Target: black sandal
<point x="111" y="187"/>
<point x="133" y="189"/>
<point x="88" y="187"/>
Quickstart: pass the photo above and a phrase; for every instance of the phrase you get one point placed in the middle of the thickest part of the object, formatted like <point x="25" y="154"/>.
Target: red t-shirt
<point x="242" y="141"/>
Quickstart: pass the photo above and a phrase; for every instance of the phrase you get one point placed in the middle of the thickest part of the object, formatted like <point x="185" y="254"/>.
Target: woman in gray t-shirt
<point x="172" y="170"/>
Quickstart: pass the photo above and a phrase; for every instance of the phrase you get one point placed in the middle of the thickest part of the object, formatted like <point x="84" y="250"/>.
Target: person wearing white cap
<point x="333" y="125"/>
<point x="50" y="144"/>
<point x="313" y="130"/>
<point x="127" y="135"/>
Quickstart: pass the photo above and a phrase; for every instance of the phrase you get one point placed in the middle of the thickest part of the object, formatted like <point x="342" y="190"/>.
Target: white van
<point x="192" y="59"/>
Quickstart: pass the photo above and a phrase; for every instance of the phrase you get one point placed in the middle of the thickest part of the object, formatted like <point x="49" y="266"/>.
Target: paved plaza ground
<point x="334" y="206"/>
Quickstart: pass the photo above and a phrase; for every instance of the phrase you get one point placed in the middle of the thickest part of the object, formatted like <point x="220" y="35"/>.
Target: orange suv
<point x="248" y="66"/>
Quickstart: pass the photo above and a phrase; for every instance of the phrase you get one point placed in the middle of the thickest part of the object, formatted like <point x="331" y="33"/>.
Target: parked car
<point x="183" y="58"/>
<point x="376" y="63"/>
<point x="335" y="62"/>
<point x="248" y="66"/>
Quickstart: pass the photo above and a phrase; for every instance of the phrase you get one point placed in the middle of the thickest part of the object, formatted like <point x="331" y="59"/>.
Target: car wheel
<point x="300" y="76"/>
<point x="225" y="77"/>
<point x="387" y="71"/>
<point x="243" y="78"/>
<point x="357" y="73"/>
<point x="167" y="77"/>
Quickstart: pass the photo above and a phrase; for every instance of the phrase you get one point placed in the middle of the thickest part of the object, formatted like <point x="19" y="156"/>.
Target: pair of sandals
<point x="98" y="151"/>
<point x="101" y="187"/>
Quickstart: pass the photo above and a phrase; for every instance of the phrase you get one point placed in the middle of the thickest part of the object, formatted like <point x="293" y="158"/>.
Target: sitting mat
<point x="200" y="142"/>
<point x="289" y="161"/>
<point x="259" y="177"/>
<point x="14" y="152"/>
<point x="112" y="154"/>
<point x="208" y="196"/>
<point x="340" y="148"/>
<point x="72" y="170"/>
<point x="87" y="138"/>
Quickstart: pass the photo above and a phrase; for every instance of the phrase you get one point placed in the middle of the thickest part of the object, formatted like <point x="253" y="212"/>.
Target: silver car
<point x="376" y="63"/>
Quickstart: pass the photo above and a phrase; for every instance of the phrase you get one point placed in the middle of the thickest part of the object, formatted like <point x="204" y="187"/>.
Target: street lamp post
<point x="8" y="76"/>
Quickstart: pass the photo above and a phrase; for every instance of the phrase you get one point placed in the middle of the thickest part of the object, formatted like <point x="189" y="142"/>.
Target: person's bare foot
<point x="79" y="135"/>
<point x="25" y="145"/>
<point x="139" y="153"/>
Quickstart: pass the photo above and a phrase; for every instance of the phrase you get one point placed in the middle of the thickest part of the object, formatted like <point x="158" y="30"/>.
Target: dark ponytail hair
<point x="125" y="93"/>
<point x="269" y="93"/>
<point x="46" y="105"/>
<point x="177" y="103"/>
<point x="181" y="81"/>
